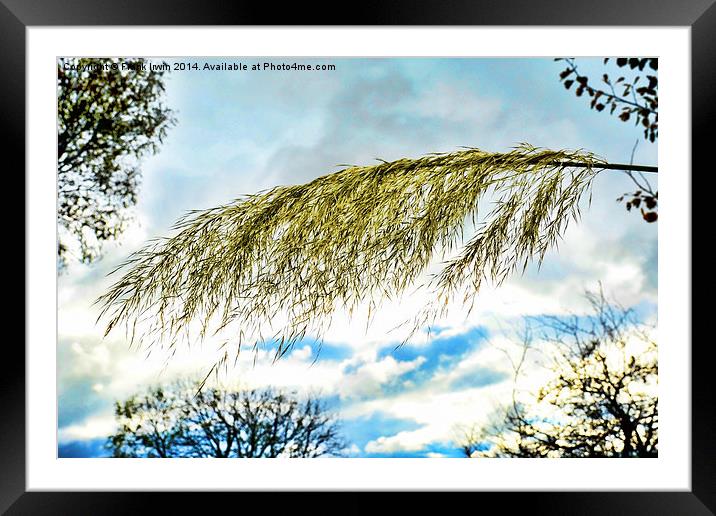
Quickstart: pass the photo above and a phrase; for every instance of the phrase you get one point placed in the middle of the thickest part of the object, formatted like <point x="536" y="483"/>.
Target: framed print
<point x="413" y="247"/>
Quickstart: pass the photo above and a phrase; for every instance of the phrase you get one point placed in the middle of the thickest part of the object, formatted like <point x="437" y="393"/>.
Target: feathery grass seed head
<point x="297" y="253"/>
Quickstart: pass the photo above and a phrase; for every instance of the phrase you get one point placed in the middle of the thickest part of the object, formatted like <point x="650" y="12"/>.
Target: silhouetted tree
<point x="110" y="114"/>
<point x="185" y="421"/>
<point x="601" y="401"/>
<point x="634" y="97"/>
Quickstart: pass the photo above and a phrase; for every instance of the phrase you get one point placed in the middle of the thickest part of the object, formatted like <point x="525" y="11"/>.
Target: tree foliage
<point x="185" y="420"/>
<point x="352" y="236"/>
<point x="111" y="113"/>
<point x="600" y="402"/>
<point x="633" y="96"/>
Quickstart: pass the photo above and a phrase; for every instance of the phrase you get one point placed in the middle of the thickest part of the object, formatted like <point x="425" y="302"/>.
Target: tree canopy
<point x="600" y="402"/>
<point x="111" y="113"/>
<point x="186" y="420"/>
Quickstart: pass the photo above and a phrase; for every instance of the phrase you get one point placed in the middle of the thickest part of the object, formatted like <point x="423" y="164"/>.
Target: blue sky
<point x="242" y="132"/>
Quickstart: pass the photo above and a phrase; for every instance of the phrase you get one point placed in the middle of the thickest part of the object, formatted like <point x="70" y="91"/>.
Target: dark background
<point x="16" y="15"/>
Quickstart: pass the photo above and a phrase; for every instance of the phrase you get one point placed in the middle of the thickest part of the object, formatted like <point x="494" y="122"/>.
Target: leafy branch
<point x="639" y="102"/>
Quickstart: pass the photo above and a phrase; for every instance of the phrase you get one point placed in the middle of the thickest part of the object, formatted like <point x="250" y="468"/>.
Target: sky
<point x="242" y="132"/>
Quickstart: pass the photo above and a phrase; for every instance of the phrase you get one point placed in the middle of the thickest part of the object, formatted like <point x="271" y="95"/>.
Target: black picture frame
<point x="17" y="15"/>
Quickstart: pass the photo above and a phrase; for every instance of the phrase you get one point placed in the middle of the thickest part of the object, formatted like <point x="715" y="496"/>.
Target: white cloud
<point x="437" y="413"/>
<point x="94" y="427"/>
<point x="369" y="378"/>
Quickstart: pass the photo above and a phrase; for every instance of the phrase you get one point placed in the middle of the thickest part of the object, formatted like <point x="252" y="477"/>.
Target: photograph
<point x="358" y="257"/>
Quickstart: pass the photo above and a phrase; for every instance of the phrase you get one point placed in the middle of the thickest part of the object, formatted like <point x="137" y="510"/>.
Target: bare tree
<point x="600" y="402"/>
<point x="182" y="421"/>
<point x="147" y="426"/>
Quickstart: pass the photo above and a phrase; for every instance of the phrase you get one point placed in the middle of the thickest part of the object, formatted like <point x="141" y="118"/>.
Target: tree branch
<point x="611" y="166"/>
